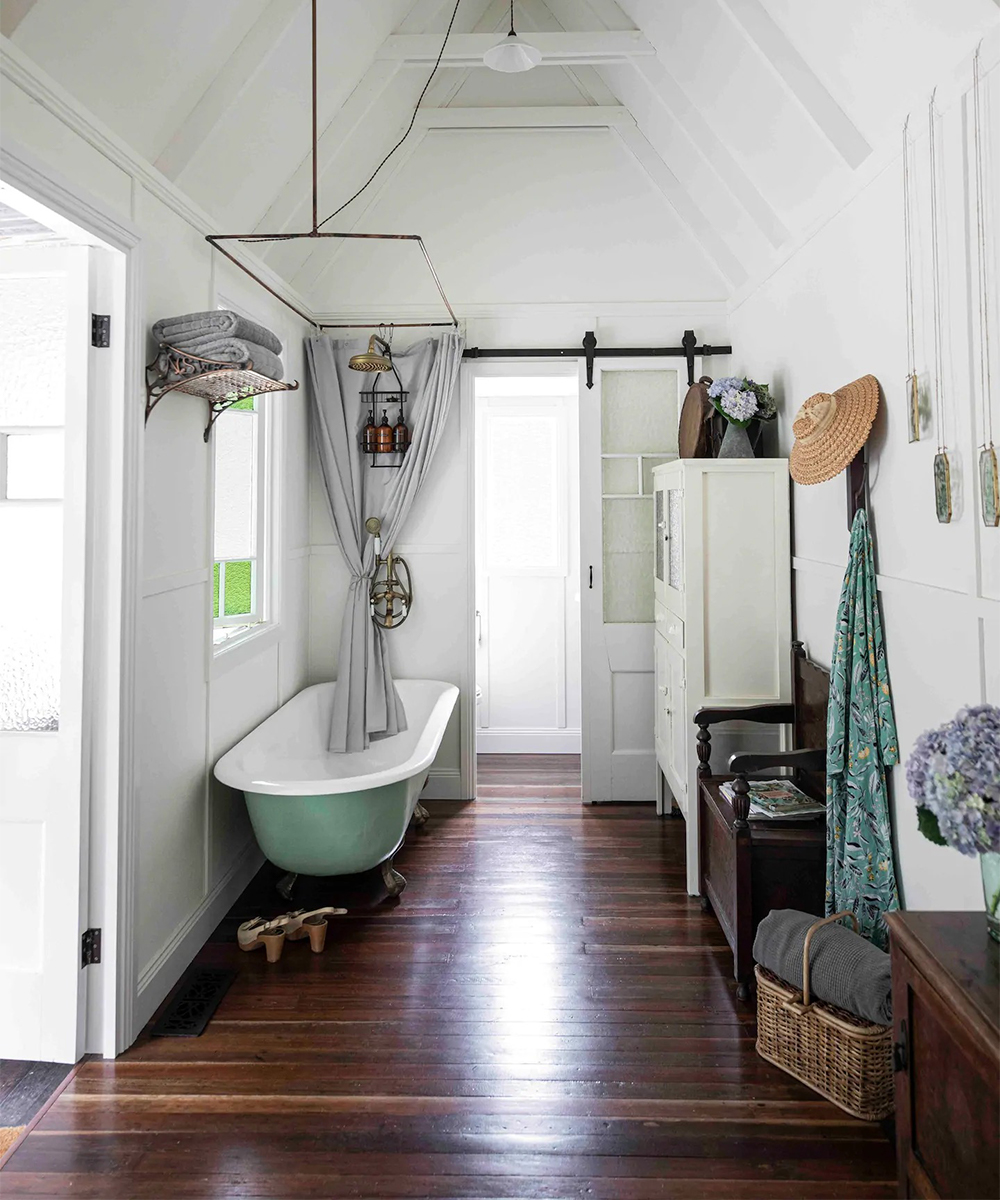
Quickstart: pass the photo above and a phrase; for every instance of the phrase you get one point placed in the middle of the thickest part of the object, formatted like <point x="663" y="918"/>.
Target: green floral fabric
<point x="861" y="743"/>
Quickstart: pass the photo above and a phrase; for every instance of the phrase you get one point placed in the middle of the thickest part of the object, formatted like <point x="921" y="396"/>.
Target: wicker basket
<point x="843" y="1057"/>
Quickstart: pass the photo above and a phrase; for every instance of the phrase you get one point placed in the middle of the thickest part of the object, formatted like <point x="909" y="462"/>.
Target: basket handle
<point x="805" y="948"/>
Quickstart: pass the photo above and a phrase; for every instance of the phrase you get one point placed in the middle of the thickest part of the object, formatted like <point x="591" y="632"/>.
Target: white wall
<point x="195" y="850"/>
<point x="833" y="312"/>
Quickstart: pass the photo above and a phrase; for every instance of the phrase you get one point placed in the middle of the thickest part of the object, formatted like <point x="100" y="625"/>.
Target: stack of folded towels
<point x="844" y="969"/>
<point x="221" y="335"/>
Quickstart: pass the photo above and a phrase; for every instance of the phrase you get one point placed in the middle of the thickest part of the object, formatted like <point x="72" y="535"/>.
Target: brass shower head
<point x="372" y="360"/>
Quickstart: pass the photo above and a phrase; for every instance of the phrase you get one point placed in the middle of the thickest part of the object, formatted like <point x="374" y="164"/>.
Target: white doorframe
<point x="116" y="464"/>
<point x="471" y="370"/>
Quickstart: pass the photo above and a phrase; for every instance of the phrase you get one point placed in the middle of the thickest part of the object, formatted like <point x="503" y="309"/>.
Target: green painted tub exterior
<point x="317" y="813"/>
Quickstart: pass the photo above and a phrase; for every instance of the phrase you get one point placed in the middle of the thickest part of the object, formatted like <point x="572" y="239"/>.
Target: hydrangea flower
<point x="742" y="400"/>
<point x="953" y="774"/>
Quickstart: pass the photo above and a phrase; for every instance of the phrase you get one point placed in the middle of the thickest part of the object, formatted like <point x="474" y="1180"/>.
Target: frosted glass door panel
<point x="628" y="560"/>
<point x="33" y="318"/>
<point x="234" y="486"/>
<point x="30" y="616"/>
<point x="648" y="465"/>
<point x="638" y="412"/>
<point x="523" y="477"/>
<point x="619" y="477"/>
<point x="675" y="538"/>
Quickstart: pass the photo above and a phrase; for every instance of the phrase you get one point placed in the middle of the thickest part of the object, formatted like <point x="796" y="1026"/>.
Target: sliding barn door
<point x="628" y="425"/>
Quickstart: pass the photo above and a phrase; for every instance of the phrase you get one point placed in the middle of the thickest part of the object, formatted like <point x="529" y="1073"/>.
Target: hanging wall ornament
<point x="989" y="485"/>
<point x="912" y="383"/>
<point x="942" y="466"/>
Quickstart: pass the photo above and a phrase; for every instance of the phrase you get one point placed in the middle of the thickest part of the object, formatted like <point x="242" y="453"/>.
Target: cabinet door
<point x="672" y="591"/>
<point x="678" y="732"/>
<point x="661" y="724"/>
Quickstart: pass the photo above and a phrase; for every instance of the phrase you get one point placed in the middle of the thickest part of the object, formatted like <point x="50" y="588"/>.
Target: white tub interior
<point x="287" y="754"/>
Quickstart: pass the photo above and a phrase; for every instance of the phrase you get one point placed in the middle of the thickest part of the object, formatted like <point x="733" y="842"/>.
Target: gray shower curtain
<point x="365" y="703"/>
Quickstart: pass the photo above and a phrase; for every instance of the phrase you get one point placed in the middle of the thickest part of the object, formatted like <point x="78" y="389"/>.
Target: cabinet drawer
<point x="670" y="626"/>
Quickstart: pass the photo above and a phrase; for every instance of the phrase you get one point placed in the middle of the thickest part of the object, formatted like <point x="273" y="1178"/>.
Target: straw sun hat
<point x="830" y="430"/>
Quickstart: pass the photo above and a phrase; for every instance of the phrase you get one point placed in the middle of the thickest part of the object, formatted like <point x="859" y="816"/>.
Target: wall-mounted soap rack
<point x="221" y="384"/>
<point x="378" y="446"/>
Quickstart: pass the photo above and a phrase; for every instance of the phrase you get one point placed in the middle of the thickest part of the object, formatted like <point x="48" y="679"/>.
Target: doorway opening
<point x="527" y="583"/>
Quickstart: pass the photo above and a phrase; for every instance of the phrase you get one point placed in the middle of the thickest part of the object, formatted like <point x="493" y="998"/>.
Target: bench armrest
<point x="803" y="760"/>
<point x="763" y="714"/>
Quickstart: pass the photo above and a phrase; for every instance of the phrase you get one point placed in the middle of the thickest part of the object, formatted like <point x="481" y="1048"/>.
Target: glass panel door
<point x="628" y="427"/>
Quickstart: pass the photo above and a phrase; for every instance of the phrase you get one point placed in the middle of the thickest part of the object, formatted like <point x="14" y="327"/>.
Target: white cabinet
<point x="722" y="586"/>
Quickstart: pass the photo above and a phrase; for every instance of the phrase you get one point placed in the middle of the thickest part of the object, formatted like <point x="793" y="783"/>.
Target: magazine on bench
<point x="778" y="799"/>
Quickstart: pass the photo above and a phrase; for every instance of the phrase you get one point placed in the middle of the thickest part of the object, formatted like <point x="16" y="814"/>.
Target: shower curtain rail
<point x="588" y="349"/>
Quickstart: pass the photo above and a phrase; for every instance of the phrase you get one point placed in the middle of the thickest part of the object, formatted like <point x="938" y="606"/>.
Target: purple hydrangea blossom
<point x="739" y="405"/>
<point x="740" y="400"/>
<point x="954" y="772"/>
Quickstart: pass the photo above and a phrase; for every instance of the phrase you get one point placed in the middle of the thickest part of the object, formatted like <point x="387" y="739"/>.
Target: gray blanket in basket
<point x="232" y="350"/>
<point x="191" y="330"/>
<point x="844" y="969"/>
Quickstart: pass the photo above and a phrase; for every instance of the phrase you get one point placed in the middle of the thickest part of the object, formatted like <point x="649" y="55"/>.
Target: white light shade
<point x="512" y="54"/>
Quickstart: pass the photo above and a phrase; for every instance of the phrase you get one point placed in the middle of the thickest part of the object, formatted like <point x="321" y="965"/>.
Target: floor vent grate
<point x="198" y="996"/>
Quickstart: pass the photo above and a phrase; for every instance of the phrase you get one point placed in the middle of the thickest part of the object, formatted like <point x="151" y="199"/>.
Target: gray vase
<point x="735" y="443"/>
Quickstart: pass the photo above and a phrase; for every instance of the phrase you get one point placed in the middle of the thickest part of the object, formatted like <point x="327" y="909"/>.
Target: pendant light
<point x="513" y="53"/>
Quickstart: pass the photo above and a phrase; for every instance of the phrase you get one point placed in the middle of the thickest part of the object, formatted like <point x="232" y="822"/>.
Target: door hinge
<point x="91" y="947"/>
<point x="100" y="330"/>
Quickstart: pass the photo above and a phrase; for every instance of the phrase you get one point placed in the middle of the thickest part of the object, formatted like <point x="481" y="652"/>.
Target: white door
<point x="628" y="425"/>
<point x="527" y="566"/>
<point x="44" y="360"/>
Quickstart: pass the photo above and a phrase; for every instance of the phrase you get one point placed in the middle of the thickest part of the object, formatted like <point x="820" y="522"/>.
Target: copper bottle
<point x="383" y="435"/>
<point x="400" y="435"/>
<point x="368" y="436"/>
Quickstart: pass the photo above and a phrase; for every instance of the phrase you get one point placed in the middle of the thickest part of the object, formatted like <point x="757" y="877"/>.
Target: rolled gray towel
<point x="231" y="350"/>
<point x="186" y="331"/>
<point x="844" y="968"/>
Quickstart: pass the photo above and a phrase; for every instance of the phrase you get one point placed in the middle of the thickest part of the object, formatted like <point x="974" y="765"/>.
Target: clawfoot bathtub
<point x="317" y="813"/>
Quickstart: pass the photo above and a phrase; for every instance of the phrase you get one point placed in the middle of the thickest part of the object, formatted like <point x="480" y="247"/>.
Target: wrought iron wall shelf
<point x="220" y="384"/>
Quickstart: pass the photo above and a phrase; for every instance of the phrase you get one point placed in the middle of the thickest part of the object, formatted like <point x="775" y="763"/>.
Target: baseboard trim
<point x="444" y="783"/>
<point x="156" y="980"/>
<point x="528" y="741"/>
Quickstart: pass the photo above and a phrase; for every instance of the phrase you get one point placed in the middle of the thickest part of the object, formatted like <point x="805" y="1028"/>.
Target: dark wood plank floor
<point x="25" y="1086"/>
<point x="528" y="776"/>
<point x="543" y="1013"/>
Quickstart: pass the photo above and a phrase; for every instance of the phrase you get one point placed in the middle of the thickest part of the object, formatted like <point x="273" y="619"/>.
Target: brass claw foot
<point x="394" y="882"/>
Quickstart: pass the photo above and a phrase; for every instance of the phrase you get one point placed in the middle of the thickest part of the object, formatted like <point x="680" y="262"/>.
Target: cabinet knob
<point x="663" y="689"/>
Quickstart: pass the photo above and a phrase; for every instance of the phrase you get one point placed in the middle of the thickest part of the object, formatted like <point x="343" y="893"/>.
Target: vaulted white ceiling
<point x="665" y="150"/>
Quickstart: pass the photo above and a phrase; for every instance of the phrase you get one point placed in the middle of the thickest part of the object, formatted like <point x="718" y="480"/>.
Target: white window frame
<point x="263" y="618"/>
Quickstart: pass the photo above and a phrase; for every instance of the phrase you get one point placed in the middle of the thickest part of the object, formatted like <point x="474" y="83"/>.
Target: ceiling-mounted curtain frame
<point x="214" y="239"/>
<point x="589" y="350"/>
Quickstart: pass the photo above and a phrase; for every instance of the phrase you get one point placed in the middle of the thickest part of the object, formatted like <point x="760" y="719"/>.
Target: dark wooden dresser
<point x="946" y="1017"/>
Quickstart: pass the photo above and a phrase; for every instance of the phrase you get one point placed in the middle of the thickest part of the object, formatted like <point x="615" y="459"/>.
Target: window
<point x="240" y="598"/>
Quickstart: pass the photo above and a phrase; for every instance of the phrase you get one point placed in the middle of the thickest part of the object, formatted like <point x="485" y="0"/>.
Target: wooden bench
<point x="750" y="867"/>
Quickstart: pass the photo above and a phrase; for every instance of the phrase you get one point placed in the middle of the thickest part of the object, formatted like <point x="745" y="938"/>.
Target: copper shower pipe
<point x="215" y="238"/>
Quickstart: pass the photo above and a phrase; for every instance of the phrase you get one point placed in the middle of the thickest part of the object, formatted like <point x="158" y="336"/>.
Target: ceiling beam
<point x="691" y="125"/>
<point x="228" y="85"/>
<point x="679" y="199"/>
<point x="800" y="79"/>
<point x="574" y="116"/>
<point x="12" y="13"/>
<point x="558" y="49"/>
